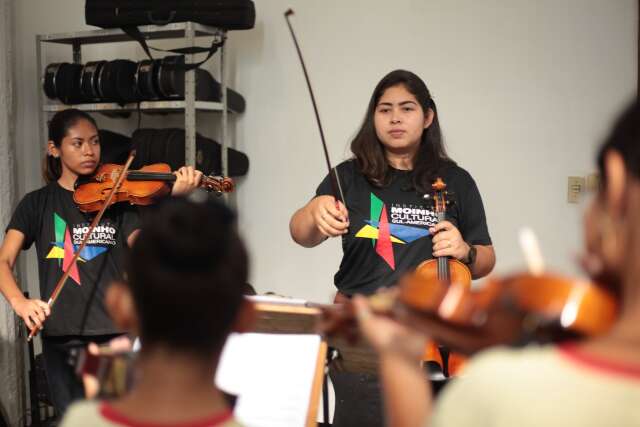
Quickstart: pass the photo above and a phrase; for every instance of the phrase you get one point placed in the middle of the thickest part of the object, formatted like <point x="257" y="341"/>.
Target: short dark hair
<point x="59" y="125"/>
<point x="625" y="139"/>
<point x="368" y="151"/>
<point x="187" y="270"/>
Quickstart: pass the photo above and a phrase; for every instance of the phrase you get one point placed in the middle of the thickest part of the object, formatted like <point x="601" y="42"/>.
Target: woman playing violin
<point x="49" y="218"/>
<point x="592" y="382"/>
<point x="388" y="227"/>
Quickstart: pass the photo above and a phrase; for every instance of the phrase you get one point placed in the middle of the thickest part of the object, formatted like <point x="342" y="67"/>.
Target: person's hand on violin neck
<point x="187" y="179"/>
<point x="447" y="241"/>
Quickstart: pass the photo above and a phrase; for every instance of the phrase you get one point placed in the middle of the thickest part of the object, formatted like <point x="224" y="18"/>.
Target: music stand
<point x="288" y="316"/>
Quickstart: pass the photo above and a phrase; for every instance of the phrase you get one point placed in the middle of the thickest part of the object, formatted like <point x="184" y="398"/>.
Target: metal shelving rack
<point x="188" y="32"/>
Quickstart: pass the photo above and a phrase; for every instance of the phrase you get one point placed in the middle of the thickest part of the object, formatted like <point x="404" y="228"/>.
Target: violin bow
<point x="333" y="172"/>
<point x="61" y="282"/>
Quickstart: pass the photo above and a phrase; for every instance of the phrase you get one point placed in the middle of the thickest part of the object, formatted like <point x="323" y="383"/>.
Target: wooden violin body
<point x="514" y="309"/>
<point x="426" y="297"/>
<point x="140" y="187"/>
<point x="90" y="195"/>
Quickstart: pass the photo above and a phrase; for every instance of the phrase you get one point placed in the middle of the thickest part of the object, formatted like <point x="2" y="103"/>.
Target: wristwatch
<point x="471" y="255"/>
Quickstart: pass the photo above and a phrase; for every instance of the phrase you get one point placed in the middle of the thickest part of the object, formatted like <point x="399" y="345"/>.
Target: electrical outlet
<point x="576" y="185"/>
<point x="593" y="182"/>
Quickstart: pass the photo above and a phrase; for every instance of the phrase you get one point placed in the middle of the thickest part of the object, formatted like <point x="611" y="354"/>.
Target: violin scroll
<point x="218" y="184"/>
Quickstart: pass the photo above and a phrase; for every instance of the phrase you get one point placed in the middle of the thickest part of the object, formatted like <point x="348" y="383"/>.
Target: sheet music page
<point x="272" y="375"/>
<point x="272" y="299"/>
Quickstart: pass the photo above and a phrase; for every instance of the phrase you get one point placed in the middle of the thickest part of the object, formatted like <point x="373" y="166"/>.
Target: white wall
<point x="525" y="91"/>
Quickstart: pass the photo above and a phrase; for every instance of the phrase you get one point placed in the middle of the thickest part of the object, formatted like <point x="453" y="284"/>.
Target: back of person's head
<point x="625" y="139"/>
<point x="612" y="222"/>
<point x="58" y="128"/>
<point x="186" y="271"/>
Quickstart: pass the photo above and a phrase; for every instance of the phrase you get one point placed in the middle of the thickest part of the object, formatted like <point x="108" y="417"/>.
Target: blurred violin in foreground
<point x="525" y="307"/>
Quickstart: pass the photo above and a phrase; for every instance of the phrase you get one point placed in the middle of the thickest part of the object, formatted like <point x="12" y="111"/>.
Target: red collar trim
<point x="111" y="414"/>
<point x="572" y="351"/>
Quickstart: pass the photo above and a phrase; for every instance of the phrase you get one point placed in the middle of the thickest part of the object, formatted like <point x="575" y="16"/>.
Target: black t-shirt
<point x="389" y="227"/>
<point x="50" y="218"/>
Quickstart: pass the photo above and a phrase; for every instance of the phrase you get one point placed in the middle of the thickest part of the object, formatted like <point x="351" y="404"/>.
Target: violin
<point x="515" y="309"/>
<point x="443" y="269"/>
<point x="139" y="187"/>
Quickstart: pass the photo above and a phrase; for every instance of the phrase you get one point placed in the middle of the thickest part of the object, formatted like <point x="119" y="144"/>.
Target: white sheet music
<point x="273" y="299"/>
<point x="272" y="375"/>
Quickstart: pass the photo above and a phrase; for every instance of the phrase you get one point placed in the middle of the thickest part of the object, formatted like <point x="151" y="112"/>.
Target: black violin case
<point x="169" y="81"/>
<point x="114" y="147"/>
<point x="62" y="81"/>
<point x="98" y="81"/>
<point x="225" y="14"/>
<point x="167" y="146"/>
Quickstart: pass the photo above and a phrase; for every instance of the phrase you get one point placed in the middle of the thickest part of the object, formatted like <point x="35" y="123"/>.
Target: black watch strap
<point x="471" y="255"/>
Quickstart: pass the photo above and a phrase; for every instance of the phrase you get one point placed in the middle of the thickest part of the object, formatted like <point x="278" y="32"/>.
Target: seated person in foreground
<point x="184" y="295"/>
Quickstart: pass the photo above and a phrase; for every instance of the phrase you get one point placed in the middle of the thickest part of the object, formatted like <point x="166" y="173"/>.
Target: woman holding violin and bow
<point x="593" y="381"/>
<point x="387" y="225"/>
<point x="49" y="218"/>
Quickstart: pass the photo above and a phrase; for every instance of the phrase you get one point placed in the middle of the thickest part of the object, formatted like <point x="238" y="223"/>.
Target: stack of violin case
<point x="167" y="146"/>
<point x="123" y="81"/>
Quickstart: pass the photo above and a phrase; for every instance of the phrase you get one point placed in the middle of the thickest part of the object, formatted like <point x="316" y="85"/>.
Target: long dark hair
<point x="368" y="151"/>
<point x="59" y="125"/>
<point x="625" y="139"/>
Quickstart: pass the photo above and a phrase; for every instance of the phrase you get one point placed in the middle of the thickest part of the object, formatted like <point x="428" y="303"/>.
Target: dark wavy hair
<point x="59" y="125"/>
<point x="368" y="151"/>
<point x="187" y="271"/>
<point x="625" y="139"/>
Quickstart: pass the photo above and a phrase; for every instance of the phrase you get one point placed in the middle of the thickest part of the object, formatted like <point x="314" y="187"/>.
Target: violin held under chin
<point x="140" y="187"/>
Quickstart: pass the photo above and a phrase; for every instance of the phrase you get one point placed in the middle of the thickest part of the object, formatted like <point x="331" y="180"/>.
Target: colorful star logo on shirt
<point x="63" y="249"/>
<point x="383" y="233"/>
